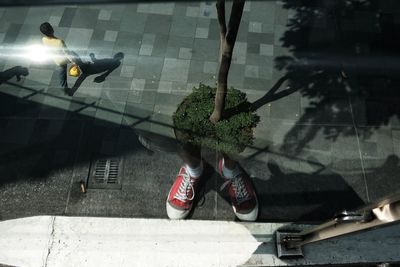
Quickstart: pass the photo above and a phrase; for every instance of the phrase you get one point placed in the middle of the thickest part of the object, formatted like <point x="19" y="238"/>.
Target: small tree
<point x="210" y="116"/>
<point x="228" y="34"/>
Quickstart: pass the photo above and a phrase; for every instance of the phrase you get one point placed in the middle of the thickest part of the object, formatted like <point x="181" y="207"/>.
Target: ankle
<point x="195" y="171"/>
<point x="229" y="172"/>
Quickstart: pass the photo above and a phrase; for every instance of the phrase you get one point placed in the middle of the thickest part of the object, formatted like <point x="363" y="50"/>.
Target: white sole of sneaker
<point x="248" y="217"/>
<point x="174" y="213"/>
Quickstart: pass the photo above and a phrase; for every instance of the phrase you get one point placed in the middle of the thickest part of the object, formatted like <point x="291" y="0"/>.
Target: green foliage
<point x="230" y="135"/>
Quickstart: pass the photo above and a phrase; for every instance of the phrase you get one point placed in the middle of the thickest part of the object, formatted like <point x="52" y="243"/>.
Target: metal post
<point x="384" y="213"/>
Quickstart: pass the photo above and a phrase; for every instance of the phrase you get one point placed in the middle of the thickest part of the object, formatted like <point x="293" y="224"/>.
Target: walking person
<point x="61" y="55"/>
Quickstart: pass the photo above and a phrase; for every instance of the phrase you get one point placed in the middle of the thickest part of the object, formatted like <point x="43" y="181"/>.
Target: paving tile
<point x="213" y="30"/>
<point x="192" y="11"/>
<point x="203" y="22"/>
<point x="55" y="20"/>
<point x="258" y="38"/>
<point x="281" y="16"/>
<point x="159" y="8"/>
<point x="179" y="89"/>
<point x="176" y="41"/>
<point x="148" y="39"/>
<point x="79" y="38"/>
<point x="183" y="26"/>
<point x="164" y="87"/>
<point x="129" y="42"/>
<point x="158" y="24"/>
<point x="148" y="97"/>
<point x="127" y="71"/>
<point x="134" y="24"/>
<point x="251" y="71"/>
<point x="210" y="67"/>
<point x="110" y="112"/>
<point x="40" y="75"/>
<point x="279" y="32"/>
<point x="255" y="26"/>
<point x="85" y="18"/>
<point x="175" y="70"/>
<point x="180" y="9"/>
<point x="135" y="113"/>
<point x="247" y="7"/>
<point x="160" y="46"/>
<point x="201" y="33"/>
<point x="185" y="53"/>
<point x="120" y="11"/>
<point x="14" y="15"/>
<point x="239" y="53"/>
<point x="98" y="35"/>
<point x="205" y="50"/>
<point x="12" y="34"/>
<point x="145" y="50"/>
<point x="253" y="48"/>
<point x="266" y="50"/>
<point x="104" y="14"/>
<point x="110" y="36"/>
<point x="196" y="72"/>
<point x="263" y="11"/>
<point x="236" y="75"/>
<point x="150" y="67"/>
<point x="36" y="16"/>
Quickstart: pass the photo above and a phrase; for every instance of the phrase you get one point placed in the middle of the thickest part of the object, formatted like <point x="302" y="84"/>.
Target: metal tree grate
<point x="106" y="174"/>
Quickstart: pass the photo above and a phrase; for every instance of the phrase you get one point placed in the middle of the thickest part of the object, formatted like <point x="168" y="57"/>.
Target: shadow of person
<point x="98" y="66"/>
<point x="16" y="71"/>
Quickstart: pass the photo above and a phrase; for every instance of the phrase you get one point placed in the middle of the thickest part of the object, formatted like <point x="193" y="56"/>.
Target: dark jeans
<point x="62" y="74"/>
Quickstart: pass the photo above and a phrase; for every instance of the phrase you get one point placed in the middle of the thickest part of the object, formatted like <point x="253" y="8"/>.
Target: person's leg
<point x="77" y="83"/>
<point x="181" y="195"/>
<point x="62" y="75"/>
<point x="240" y="189"/>
<point x="191" y="156"/>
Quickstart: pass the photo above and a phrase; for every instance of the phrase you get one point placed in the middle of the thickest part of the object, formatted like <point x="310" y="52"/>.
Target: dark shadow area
<point x="300" y="196"/>
<point x="16" y="71"/>
<point x="33" y="148"/>
<point x="272" y="94"/>
<point x="346" y="62"/>
<point x="98" y="66"/>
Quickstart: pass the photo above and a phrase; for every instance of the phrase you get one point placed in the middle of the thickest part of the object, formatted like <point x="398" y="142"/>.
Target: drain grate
<point x="106" y="173"/>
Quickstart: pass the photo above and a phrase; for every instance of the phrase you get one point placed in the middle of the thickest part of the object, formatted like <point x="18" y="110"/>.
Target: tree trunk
<point x="227" y="43"/>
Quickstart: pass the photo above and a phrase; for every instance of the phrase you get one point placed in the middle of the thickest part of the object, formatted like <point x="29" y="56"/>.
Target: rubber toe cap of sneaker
<point x="249" y="217"/>
<point x="176" y="214"/>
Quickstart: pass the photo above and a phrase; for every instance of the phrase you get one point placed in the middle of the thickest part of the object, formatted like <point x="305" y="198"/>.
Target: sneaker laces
<point x="239" y="189"/>
<point x="184" y="187"/>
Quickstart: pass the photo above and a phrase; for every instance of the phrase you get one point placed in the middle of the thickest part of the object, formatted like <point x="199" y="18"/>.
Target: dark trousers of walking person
<point x="62" y="75"/>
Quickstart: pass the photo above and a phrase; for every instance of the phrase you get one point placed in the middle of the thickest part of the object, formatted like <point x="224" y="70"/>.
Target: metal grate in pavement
<point x="106" y="173"/>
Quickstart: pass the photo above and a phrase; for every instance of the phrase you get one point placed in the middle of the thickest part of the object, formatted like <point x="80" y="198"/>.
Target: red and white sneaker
<point x="181" y="195"/>
<point x="243" y="197"/>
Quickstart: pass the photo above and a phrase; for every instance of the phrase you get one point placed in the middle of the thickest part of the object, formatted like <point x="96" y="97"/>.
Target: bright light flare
<point x="37" y="53"/>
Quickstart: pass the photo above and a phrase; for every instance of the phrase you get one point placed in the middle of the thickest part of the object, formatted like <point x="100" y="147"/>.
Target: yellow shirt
<point x="58" y="49"/>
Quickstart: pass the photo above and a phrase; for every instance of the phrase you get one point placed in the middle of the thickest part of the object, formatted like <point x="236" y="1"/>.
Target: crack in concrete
<point x="51" y="240"/>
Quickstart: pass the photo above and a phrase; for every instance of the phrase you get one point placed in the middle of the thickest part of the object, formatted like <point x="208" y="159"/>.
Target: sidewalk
<point x="48" y="140"/>
<point x="76" y="241"/>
